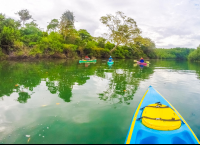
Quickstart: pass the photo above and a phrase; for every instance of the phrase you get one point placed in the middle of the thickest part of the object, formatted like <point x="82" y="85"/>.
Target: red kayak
<point x="141" y="63"/>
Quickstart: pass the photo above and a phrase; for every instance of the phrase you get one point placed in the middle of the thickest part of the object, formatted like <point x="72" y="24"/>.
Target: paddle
<point x="145" y="62"/>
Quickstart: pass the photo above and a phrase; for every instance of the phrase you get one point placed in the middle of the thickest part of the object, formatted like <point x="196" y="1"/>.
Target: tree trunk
<point x="114" y="48"/>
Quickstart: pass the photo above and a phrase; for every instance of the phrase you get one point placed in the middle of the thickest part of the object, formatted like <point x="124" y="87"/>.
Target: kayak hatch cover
<point x="156" y="121"/>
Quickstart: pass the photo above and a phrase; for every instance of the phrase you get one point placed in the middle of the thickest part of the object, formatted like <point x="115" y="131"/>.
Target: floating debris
<point x="28" y="140"/>
<point x="39" y="134"/>
<point x="28" y="135"/>
<point x="44" y="105"/>
<point x="57" y="103"/>
<point x="47" y="127"/>
<point x="16" y="85"/>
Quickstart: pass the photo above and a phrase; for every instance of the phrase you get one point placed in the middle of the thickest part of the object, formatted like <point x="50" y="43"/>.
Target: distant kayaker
<point x="110" y="59"/>
<point x="87" y="58"/>
<point x="141" y="60"/>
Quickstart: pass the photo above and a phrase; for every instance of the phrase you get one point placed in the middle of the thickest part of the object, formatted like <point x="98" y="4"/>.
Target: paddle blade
<point x="135" y="64"/>
<point x="147" y="61"/>
<point x="135" y="60"/>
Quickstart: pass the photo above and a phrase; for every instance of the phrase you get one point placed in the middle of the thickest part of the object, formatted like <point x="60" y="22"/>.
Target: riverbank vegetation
<point x="173" y="53"/>
<point x="195" y="55"/>
<point x="19" y="39"/>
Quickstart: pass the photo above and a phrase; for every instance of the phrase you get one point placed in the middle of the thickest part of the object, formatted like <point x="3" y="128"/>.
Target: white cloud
<point x="159" y="20"/>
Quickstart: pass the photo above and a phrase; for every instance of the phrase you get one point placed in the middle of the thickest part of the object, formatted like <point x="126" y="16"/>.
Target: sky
<point x="169" y="23"/>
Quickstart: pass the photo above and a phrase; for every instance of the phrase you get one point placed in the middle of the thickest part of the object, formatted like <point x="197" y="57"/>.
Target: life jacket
<point x="141" y="60"/>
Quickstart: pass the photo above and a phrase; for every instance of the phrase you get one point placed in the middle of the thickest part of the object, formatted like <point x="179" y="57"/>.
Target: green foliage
<point x="99" y="52"/>
<point x="109" y="45"/>
<point x="69" y="42"/>
<point x="66" y="23"/>
<point x="72" y="37"/>
<point x="35" y="51"/>
<point x="8" y="31"/>
<point x="70" y="47"/>
<point x="18" y="44"/>
<point x="195" y="55"/>
<point x="146" y="45"/>
<point x="8" y="35"/>
<point x="101" y="41"/>
<point x="84" y="35"/>
<point x="123" y="52"/>
<point x="70" y="50"/>
<point x="2" y="55"/>
<point x="51" y="43"/>
<point x="89" y="46"/>
<point x="173" y="53"/>
<point x="53" y="25"/>
<point x="122" y="29"/>
<point x="30" y="35"/>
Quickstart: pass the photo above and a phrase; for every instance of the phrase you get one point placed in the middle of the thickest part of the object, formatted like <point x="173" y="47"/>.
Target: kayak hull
<point x="109" y="63"/>
<point x="141" y="63"/>
<point x="88" y="61"/>
<point x="140" y="134"/>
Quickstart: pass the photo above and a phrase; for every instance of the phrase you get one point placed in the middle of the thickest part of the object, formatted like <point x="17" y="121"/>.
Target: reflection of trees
<point x="178" y="65"/>
<point x="12" y="73"/>
<point x="51" y="87"/>
<point x="23" y="97"/>
<point x="123" y="86"/>
<point x="65" y="92"/>
<point x="60" y="76"/>
<point x="195" y="66"/>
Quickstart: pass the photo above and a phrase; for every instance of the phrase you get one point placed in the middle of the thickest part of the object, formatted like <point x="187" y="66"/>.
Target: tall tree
<point x="101" y="41"/>
<point x="8" y="32"/>
<point x="122" y="29"/>
<point x="66" y="23"/>
<point x="32" y="23"/>
<point x="24" y="15"/>
<point x="84" y="35"/>
<point x="146" y="45"/>
<point x="53" y="25"/>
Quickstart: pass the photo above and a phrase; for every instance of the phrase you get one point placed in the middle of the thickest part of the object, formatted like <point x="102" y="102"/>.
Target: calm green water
<point x="61" y="101"/>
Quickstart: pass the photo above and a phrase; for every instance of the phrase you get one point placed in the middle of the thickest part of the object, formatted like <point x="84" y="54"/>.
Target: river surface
<point x="59" y="101"/>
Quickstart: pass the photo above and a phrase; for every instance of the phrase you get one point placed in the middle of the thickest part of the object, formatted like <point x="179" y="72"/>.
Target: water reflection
<point x="98" y="95"/>
<point x="124" y="83"/>
<point x="60" y="76"/>
<point x="23" y="97"/>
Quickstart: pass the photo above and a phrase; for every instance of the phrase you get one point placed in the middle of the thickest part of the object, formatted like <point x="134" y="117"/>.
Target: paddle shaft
<point x="144" y="62"/>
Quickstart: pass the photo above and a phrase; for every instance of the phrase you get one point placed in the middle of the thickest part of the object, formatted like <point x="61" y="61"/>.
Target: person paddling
<point x="142" y="60"/>
<point x="110" y="59"/>
<point x="87" y="58"/>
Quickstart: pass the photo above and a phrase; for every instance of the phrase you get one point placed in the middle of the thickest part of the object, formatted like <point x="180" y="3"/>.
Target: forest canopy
<point x="24" y="39"/>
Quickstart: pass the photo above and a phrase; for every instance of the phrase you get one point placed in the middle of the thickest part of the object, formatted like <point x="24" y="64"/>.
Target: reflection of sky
<point x="89" y="93"/>
<point x="180" y="88"/>
<point x="75" y="111"/>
